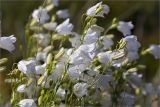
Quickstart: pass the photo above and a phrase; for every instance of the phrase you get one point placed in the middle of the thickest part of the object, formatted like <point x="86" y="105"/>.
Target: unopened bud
<point x="3" y="60"/>
<point x="49" y="58"/>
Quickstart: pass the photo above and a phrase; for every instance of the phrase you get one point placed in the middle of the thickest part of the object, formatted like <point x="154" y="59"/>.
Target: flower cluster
<point x="91" y="70"/>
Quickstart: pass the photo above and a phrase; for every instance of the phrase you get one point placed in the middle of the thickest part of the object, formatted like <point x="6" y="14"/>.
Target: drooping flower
<point x="92" y="34"/>
<point x="132" y="43"/>
<point x="83" y="54"/>
<point x="74" y="72"/>
<point x="7" y="43"/>
<point x="27" y="67"/>
<point x="125" y="27"/>
<point x="40" y="69"/>
<point x="40" y="15"/>
<point x="127" y="99"/>
<point x="65" y="28"/>
<point x="107" y="42"/>
<point x="132" y="55"/>
<point x="63" y="13"/>
<point x="104" y="57"/>
<point x="98" y="10"/>
<point x="55" y="2"/>
<point x="155" y="51"/>
<point x="61" y="92"/>
<point x="27" y="103"/>
<point x="41" y="56"/>
<point x="80" y="89"/>
<point x="75" y="41"/>
<point x="21" y="88"/>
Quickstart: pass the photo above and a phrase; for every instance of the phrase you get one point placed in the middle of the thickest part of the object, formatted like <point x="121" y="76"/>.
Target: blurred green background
<point x="144" y="14"/>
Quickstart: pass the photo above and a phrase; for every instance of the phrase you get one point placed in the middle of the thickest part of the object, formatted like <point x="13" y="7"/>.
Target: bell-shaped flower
<point x="65" y="28"/>
<point x="104" y="57"/>
<point x="40" y="69"/>
<point x="40" y="15"/>
<point x="21" y="88"/>
<point x="132" y="55"/>
<point x="61" y="92"/>
<point x="74" y="72"/>
<point x="82" y="54"/>
<point x="75" y="41"/>
<point x="125" y="27"/>
<point x="92" y="34"/>
<point x="107" y="42"/>
<point x="27" y="103"/>
<point x="155" y="51"/>
<point x="132" y="43"/>
<point x="127" y="99"/>
<point x="7" y="43"/>
<point x="80" y="89"/>
<point x="55" y="2"/>
<point x="135" y="79"/>
<point x="63" y="13"/>
<point x="27" y="67"/>
<point x="41" y="56"/>
<point x="98" y="10"/>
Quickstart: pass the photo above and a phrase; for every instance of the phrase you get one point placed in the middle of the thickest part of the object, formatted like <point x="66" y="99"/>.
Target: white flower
<point x="27" y="103"/>
<point x="82" y="54"/>
<point x="125" y="27"/>
<point x="27" y="67"/>
<point x="43" y="39"/>
<point x="92" y="34"/>
<point x="148" y="89"/>
<point x="7" y="43"/>
<point x="21" y="88"/>
<point x="135" y="79"/>
<point x="41" y="56"/>
<point x="40" y="69"/>
<point x="61" y="92"/>
<point x="40" y="15"/>
<point x="127" y="99"/>
<point x="65" y="28"/>
<point x="55" y="2"/>
<point x="132" y="43"/>
<point x="50" y="26"/>
<point x="57" y="72"/>
<point x="75" y="41"/>
<point x="93" y="10"/>
<point x="63" y="13"/>
<point x="80" y="89"/>
<point x="103" y="81"/>
<point x="132" y="55"/>
<point x="104" y="57"/>
<point x="74" y="72"/>
<point x="155" y="51"/>
<point x="107" y="42"/>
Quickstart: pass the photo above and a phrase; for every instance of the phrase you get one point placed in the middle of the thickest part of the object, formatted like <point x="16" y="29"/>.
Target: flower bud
<point x="3" y="60"/>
